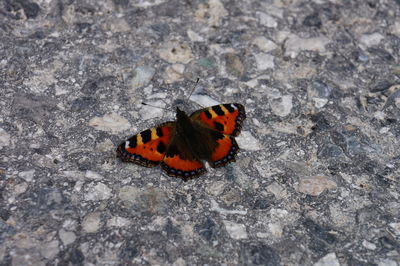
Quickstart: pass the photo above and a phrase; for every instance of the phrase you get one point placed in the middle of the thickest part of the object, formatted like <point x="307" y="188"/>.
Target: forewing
<point x="149" y="147"/>
<point x="224" y="118"/>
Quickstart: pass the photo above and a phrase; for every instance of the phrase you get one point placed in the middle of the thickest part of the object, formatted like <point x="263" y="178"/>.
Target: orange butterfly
<point x="180" y="146"/>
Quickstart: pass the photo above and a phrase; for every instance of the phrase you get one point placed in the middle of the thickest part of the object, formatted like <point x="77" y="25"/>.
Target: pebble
<point x="91" y="222"/>
<point x="266" y="20"/>
<point x="275" y="229"/>
<point x="387" y="262"/>
<point x="5" y="138"/>
<point x="281" y="105"/>
<point x="294" y="45"/>
<point x="369" y="245"/>
<point x="368" y="40"/>
<point x="142" y="76"/>
<point x="27" y="175"/>
<point x="315" y="185"/>
<point x="264" y="44"/>
<point x="248" y="142"/>
<point x="278" y="190"/>
<point x="264" y="61"/>
<point x="234" y="65"/>
<point x="396" y="228"/>
<point x="212" y="13"/>
<point x="176" y="52"/>
<point x="98" y="192"/>
<point x="147" y="112"/>
<point x="174" y="73"/>
<point x="194" y="37"/>
<point x="49" y="250"/>
<point x="117" y="221"/>
<point x="203" y="100"/>
<point x="93" y="175"/>
<point x="110" y="122"/>
<point x="236" y="231"/>
<point x="67" y="237"/>
<point x="328" y="260"/>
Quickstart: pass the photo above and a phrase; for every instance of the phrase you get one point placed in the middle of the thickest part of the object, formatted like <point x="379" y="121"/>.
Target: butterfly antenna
<point x="191" y="92"/>
<point x="143" y="103"/>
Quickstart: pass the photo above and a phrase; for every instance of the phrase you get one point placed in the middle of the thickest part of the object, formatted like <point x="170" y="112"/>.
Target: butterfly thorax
<point x="193" y="136"/>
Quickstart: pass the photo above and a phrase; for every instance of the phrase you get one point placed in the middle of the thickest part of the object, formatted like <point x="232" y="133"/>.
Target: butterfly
<point x="180" y="147"/>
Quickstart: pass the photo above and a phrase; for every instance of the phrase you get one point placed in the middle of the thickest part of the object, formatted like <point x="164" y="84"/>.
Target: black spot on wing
<point x="219" y="126"/>
<point x="159" y="132"/>
<point x="208" y="114"/>
<point x="172" y="151"/>
<point x="146" y="136"/>
<point x="218" y="110"/>
<point x="229" y="108"/>
<point x="132" y="142"/>
<point x="161" y="147"/>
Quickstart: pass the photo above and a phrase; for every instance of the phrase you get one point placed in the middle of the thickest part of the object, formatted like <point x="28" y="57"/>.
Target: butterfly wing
<point x="179" y="161"/>
<point x="224" y="122"/>
<point x="224" y="118"/>
<point x="149" y="147"/>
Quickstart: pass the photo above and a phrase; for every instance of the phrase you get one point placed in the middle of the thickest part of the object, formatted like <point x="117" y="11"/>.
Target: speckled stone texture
<point x="316" y="181"/>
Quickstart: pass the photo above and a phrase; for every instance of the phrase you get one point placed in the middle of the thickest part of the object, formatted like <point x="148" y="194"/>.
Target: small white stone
<point x="176" y="52"/>
<point x="315" y="185"/>
<point x="276" y="189"/>
<point x="27" y="175"/>
<point x="174" y="73"/>
<point x="396" y="228"/>
<point x="91" y="223"/>
<point x="275" y="229"/>
<point x="67" y="237"/>
<point x="110" y="122"/>
<point x="294" y="45"/>
<point x="263" y="234"/>
<point x="5" y="138"/>
<point x="212" y="13"/>
<point x="143" y="75"/>
<point x="194" y="37"/>
<point x="264" y="44"/>
<point x="149" y="112"/>
<point x="387" y="262"/>
<point x="368" y="40"/>
<point x="264" y="61"/>
<point x="20" y="188"/>
<point x="320" y="102"/>
<point x="267" y="20"/>
<point x="248" y="142"/>
<point x="117" y="221"/>
<point x="236" y="231"/>
<point x="93" y="175"/>
<point x="49" y="250"/>
<point x="395" y="28"/>
<point x="384" y="130"/>
<point x="328" y="260"/>
<point x="98" y="192"/>
<point x="369" y="245"/>
<point x="203" y="100"/>
<point x="282" y="106"/>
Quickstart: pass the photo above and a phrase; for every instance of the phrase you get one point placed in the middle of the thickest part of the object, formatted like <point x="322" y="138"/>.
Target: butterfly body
<point x="181" y="146"/>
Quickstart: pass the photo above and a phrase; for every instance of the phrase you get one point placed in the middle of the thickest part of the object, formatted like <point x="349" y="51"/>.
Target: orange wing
<point x="179" y="162"/>
<point x="149" y="147"/>
<point x="225" y="118"/>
